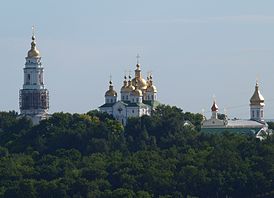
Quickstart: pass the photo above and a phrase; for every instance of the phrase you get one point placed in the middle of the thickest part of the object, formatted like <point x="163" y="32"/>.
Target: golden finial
<point x="110" y="79"/>
<point x="150" y="76"/>
<point x="138" y="57"/>
<point x="33" y="33"/>
<point x="257" y="80"/>
<point x="129" y="74"/>
<point x="125" y="74"/>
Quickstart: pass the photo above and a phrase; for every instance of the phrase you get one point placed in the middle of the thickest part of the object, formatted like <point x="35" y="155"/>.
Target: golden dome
<point x="124" y="88"/>
<point x="257" y="98"/>
<point x="151" y="87"/>
<point x="111" y="91"/>
<point x="137" y="91"/>
<point x="140" y="83"/>
<point x="138" y="80"/>
<point x="130" y="87"/>
<point x="33" y="52"/>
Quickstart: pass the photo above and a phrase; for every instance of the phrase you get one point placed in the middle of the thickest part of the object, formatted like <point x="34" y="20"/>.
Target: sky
<point x="195" y="49"/>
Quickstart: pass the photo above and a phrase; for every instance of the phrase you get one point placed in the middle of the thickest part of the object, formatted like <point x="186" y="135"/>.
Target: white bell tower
<point x="34" y="98"/>
<point x="257" y="105"/>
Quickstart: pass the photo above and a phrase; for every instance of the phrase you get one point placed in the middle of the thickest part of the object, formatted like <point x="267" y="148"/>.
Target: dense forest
<point x="92" y="155"/>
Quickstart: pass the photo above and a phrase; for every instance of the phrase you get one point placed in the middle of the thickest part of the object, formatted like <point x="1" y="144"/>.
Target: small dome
<point x="33" y="52"/>
<point x="137" y="91"/>
<point x="151" y="87"/>
<point x="130" y="87"/>
<point x="124" y="88"/>
<point x="111" y="91"/>
<point x="214" y="107"/>
<point x="257" y="98"/>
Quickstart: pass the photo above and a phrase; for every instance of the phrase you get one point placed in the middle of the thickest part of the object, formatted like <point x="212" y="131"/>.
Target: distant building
<point x="138" y="98"/>
<point x="34" y="97"/>
<point x="255" y="125"/>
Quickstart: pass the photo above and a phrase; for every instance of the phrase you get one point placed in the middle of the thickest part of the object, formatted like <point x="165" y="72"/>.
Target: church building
<point x="254" y="126"/>
<point x="34" y="97"/>
<point x="138" y="98"/>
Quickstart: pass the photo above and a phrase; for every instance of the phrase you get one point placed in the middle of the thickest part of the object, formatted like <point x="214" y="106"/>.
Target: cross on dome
<point x="138" y="58"/>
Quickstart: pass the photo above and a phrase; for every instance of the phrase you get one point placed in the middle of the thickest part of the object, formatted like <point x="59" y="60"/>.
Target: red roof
<point x="214" y="107"/>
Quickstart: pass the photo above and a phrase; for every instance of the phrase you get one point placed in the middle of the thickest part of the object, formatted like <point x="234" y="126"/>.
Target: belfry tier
<point x="33" y="71"/>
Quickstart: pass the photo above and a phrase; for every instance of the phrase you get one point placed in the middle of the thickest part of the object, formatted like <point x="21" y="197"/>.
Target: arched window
<point x="28" y="79"/>
<point x="258" y="113"/>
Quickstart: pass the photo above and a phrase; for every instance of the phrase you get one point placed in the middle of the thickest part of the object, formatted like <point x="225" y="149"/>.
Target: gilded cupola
<point x="138" y="80"/>
<point x="151" y="88"/>
<point x="137" y="91"/>
<point x="257" y="98"/>
<point x="33" y="52"/>
<point x="111" y="91"/>
<point x="130" y="86"/>
<point x="124" y="88"/>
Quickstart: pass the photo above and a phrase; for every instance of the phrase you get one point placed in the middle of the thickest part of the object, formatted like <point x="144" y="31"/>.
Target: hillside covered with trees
<point x="92" y="155"/>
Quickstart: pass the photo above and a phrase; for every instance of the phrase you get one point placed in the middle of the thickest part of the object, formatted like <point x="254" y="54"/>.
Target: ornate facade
<point x="138" y="98"/>
<point x="34" y="97"/>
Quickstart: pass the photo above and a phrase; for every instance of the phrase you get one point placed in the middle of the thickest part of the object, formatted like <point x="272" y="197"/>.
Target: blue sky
<point x="195" y="49"/>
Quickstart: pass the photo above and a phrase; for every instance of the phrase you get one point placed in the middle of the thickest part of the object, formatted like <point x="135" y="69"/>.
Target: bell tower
<point x="34" y="97"/>
<point x="257" y="105"/>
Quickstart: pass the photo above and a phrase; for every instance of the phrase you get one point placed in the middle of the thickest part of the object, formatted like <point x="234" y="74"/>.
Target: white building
<point x="255" y="125"/>
<point x="34" y="97"/>
<point x="138" y="98"/>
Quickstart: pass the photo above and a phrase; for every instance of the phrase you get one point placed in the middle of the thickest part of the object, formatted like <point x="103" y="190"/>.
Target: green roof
<point x="250" y="131"/>
<point x="126" y="103"/>
<point x="107" y="105"/>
